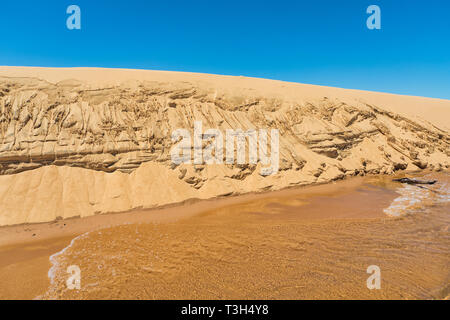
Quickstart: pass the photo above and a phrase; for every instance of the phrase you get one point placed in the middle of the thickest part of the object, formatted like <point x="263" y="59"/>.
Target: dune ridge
<point x="78" y="142"/>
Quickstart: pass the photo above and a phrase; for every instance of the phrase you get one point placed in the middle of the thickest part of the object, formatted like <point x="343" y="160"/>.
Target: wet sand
<point x="306" y="243"/>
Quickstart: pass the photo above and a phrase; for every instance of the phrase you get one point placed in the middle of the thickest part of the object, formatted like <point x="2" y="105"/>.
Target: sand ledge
<point x="79" y="142"/>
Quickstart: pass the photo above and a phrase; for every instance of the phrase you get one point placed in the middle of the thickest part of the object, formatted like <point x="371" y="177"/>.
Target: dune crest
<point x="77" y="142"/>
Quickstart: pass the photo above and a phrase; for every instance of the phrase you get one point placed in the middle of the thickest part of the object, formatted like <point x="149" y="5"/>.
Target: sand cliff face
<point x="76" y="142"/>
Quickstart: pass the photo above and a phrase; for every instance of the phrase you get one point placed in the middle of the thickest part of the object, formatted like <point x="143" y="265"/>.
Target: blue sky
<point x="318" y="42"/>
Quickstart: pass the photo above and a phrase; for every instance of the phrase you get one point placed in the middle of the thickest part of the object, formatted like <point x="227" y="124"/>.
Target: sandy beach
<point x="89" y="178"/>
<point x="308" y="243"/>
<point x="28" y="247"/>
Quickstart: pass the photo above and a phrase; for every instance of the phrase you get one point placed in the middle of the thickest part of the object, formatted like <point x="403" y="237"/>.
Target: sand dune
<point x="76" y="142"/>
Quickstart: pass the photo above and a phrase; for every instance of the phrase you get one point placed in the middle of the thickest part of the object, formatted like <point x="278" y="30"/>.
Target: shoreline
<point x="196" y="203"/>
<point x="53" y="237"/>
<point x="268" y="248"/>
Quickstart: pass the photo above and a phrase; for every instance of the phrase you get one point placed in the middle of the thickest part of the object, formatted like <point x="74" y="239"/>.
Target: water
<point x="417" y="198"/>
<point x="306" y="245"/>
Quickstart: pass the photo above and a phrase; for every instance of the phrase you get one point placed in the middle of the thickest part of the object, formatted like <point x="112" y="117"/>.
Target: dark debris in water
<point x="415" y="181"/>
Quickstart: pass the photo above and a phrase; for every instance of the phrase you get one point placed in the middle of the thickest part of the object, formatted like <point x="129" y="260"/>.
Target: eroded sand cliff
<point x="76" y="142"/>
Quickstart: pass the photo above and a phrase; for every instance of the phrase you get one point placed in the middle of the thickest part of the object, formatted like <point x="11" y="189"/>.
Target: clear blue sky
<point x="307" y="41"/>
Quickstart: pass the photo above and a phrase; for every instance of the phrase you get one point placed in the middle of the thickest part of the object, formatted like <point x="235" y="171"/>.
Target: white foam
<point x="412" y="196"/>
<point x="52" y="271"/>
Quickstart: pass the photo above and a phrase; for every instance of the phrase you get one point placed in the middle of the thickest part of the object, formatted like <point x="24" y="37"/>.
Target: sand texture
<point x="78" y="142"/>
